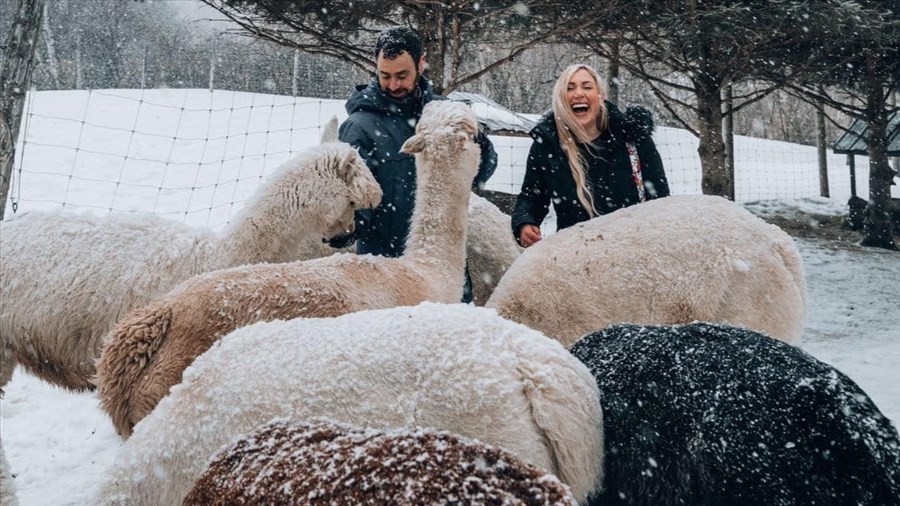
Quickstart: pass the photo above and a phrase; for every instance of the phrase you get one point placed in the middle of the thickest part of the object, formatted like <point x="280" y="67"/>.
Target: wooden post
<point x="822" y="149"/>
<point x="15" y="79"/>
<point x="896" y="164"/>
<point x="79" y="69"/>
<point x="295" y="80"/>
<point x="212" y="69"/>
<point x="852" y="163"/>
<point x="144" y="67"/>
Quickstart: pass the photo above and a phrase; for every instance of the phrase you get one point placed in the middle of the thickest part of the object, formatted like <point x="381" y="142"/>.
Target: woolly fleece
<point x="456" y="368"/>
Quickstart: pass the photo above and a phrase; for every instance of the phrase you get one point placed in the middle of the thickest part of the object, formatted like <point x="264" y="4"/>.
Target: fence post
<point x="896" y="158"/>
<point x="18" y="64"/>
<point x="296" y="77"/>
<point x="144" y="67"/>
<point x="822" y="149"/>
<point x="212" y="68"/>
<point x="79" y="70"/>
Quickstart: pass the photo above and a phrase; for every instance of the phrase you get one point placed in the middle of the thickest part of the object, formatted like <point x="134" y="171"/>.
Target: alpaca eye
<point x="352" y="203"/>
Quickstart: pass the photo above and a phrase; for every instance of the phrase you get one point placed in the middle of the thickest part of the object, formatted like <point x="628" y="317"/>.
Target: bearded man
<point x="382" y="116"/>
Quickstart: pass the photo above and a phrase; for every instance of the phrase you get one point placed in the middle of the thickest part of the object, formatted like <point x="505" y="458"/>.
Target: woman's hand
<point x="529" y="234"/>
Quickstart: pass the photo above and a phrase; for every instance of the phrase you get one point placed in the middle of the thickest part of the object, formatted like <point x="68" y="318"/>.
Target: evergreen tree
<point x="852" y="58"/>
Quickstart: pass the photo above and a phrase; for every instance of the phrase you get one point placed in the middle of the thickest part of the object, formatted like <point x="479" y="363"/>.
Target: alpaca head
<point x="317" y="192"/>
<point x="354" y="188"/>
<point x="445" y="135"/>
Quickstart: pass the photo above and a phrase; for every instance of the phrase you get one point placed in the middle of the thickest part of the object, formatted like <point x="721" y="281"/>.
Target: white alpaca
<point x="668" y="261"/>
<point x="151" y="346"/>
<point x="456" y="368"/>
<point x="490" y="248"/>
<point x="65" y="278"/>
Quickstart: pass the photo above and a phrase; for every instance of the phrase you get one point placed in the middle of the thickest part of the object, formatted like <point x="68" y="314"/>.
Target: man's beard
<point x="407" y="92"/>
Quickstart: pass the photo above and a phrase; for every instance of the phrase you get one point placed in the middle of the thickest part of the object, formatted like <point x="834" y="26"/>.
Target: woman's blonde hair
<point x="570" y="132"/>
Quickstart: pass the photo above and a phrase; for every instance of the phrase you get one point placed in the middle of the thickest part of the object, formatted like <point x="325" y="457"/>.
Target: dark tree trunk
<point x="434" y="42"/>
<point x="15" y="79"/>
<point x="715" y="180"/>
<point x="878" y="229"/>
<point x="614" y="72"/>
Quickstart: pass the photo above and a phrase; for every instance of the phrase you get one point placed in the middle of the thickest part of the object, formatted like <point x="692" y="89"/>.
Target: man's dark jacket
<point x="378" y="126"/>
<point x="548" y="177"/>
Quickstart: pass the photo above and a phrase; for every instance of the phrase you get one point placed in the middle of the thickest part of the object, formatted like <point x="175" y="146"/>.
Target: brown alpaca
<point x="323" y="462"/>
<point x="151" y="347"/>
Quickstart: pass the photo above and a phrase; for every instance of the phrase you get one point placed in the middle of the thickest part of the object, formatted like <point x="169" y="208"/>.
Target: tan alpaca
<point x="66" y="278"/>
<point x="668" y="261"/>
<point x="150" y="347"/>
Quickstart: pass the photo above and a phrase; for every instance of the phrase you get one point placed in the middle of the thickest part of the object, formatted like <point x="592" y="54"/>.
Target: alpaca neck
<point x="270" y="230"/>
<point x="437" y="233"/>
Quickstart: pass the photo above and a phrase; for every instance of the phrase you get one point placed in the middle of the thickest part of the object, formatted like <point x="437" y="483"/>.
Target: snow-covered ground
<point x="194" y="161"/>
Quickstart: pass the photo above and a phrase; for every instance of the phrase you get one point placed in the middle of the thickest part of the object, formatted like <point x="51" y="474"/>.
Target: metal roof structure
<point x="852" y="142"/>
<point x="493" y="117"/>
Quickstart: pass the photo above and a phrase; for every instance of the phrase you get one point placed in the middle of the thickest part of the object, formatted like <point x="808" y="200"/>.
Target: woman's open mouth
<point x="580" y="109"/>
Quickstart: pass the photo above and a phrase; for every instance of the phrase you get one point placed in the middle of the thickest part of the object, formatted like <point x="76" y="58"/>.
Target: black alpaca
<point x="706" y="414"/>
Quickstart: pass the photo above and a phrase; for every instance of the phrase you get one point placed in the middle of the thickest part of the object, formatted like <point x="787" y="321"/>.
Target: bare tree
<point x="688" y="52"/>
<point x="49" y="40"/>
<point x="346" y="29"/>
<point x="15" y="79"/>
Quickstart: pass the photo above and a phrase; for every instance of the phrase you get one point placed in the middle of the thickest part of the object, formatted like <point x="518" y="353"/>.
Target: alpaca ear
<point x="462" y="138"/>
<point x="330" y="131"/>
<point x="413" y="145"/>
<point x="347" y="165"/>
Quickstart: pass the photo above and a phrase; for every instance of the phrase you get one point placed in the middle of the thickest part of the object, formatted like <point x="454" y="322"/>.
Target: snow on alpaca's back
<point x="151" y="346"/>
<point x="456" y="367"/>
<point x="66" y="278"/>
<point x="272" y="465"/>
<point x="667" y="261"/>
<point x="773" y="424"/>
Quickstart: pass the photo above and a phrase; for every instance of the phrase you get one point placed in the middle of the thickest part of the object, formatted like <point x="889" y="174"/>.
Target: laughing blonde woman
<point x="588" y="158"/>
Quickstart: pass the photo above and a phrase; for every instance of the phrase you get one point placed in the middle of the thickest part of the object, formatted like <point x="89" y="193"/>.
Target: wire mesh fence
<point x="196" y="155"/>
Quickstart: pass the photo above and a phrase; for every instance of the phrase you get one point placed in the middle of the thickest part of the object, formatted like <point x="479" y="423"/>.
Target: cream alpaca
<point x="67" y="278"/>
<point x="151" y="346"/>
<point x="490" y="247"/>
<point x="667" y="261"/>
<point x="455" y="368"/>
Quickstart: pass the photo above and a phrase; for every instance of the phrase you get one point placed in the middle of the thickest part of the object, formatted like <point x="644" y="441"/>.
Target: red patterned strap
<point x="636" y="171"/>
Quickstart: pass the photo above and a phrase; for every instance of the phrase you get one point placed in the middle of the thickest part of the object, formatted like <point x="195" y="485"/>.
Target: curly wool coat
<point x="548" y="177"/>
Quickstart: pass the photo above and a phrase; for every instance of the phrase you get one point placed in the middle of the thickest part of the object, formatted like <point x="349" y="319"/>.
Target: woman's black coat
<point x="548" y="177"/>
